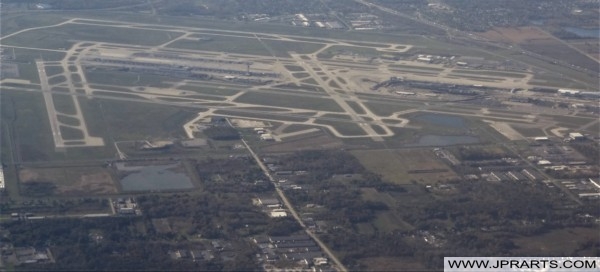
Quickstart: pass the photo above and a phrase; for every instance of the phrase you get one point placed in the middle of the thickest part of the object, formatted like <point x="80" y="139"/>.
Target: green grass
<point x="300" y="75"/>
<point x="557" y="241"/>
<point x="333" y="84"/>
<point x="237" y="45"/>
<point x="69" y="133"/>
<point x="337" y="116"/>
<point x="68" y="120"/>
<point x="344" y="128"/>
<point x="262" y="116"/>
<point x="291" y="101"/>
<point x="75" y="78"/>
<point x="281" y="48"/>
<point x="356" y="107"/>
<point x="143" y="120"/>
<point x="296" y="127"/>
<point x="378" y="45"/>
<point x="126" y="79"/>
<point x="53" y="70"/>
<point x="64" y="104"/>
<point x="56" y="80"/>
<point x="222" y="90"/>
<point x="473" y="77"/>
<point x="385" y="109"/>
<point x="310" y="81"/>
<point x="110" y="88"/>
<point x="388" y="222"/>
<point x="26" y="113"/>
<point x="571" y="121"/>
<point x="339" y="49"/>
<point x="489" y="73"/>
<point x="294" y="68"/>
<point x="17" y="21"/>
<point x="414" y="67"/>
<point x="63" y="37"/>
<point x="29" y="72"/>
<point x="529" y="131"/>
<point x="394" y="166"/>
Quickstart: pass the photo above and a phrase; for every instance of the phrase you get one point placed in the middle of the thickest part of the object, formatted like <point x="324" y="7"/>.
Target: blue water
<point x="442" y="120"/>
<point x="441" y="140"/>
<point x="156" y="178"/>
<point x="584" y="32"/>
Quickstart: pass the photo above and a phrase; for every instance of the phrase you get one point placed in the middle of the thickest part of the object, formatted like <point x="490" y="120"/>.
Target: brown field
<point x="400" y="166"/>
<point x="515" y="34"/>
<point x="161" y="225"/>
<point x="72" y="181"/>
<point x="541" y="42"/>
<point x="558" y="50"/>
<point x="561" y="242"/>
<point x="318" y="141"/>
<point x="589" y="47"/>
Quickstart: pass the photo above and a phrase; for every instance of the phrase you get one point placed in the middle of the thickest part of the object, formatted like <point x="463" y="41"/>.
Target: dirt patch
<point x="72" y="180"/>
<point x="515" y="34"/>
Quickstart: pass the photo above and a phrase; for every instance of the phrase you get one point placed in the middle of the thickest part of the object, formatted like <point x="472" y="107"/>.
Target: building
<point x="278" y="213"/>
<point x="576" y="136"/>
<point x="267" y="137"/>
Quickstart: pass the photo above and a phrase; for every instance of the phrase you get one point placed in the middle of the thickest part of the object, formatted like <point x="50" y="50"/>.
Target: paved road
<point x="337" y="98"/>
<point x="291" y="209"/>
<point x="54" y="126"/>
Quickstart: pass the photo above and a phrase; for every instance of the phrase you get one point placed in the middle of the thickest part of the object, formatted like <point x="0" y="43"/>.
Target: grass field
<point x="14" y="22"/>
<point x="571" y="121"/>
<point x="229" y="44"/>
<point x="64" y="36"/>
<point x="295" y="128"/>
<point x="415" y="67"/>
<point x="559" y="242"/>
<point x="357" y="108"/>
<point x="64" y="104"/>
<point x="339" y="49"/>
<point x="126" y="79"/>
<point x="529" y="131"/>
<point x="345" y="128"/>
<point x="69" y="133"/>
<point x="394" y="166"/>
<point x="281" y="48"/>
<point x="489" y="73"/>
<point x="53" y="70"/>
<point x="144" y="121"/>
<point x="385" y="109"/>
<point x="294" y="68"/>
<point x="301" y="75"/>
<point x="291" y="101"/>
<point x="72" y="181"/>
<point x="258" y="115"/>
<point x="68" y="120"/>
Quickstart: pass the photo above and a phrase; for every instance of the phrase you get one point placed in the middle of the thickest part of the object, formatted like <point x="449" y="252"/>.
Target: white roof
<point x="278" y="214"/>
